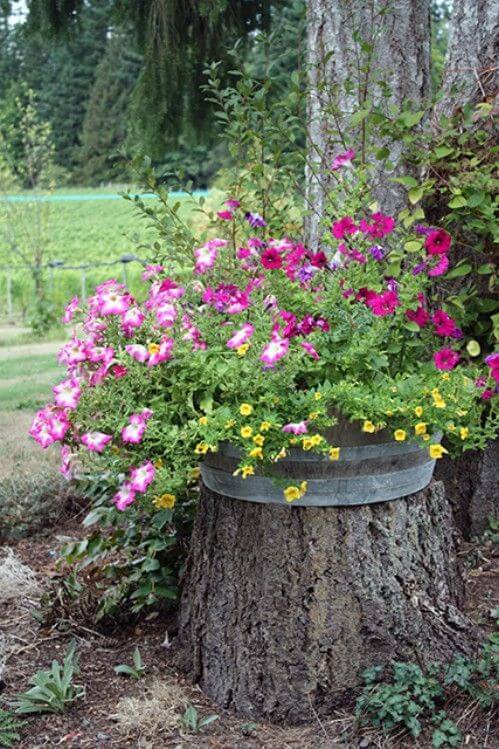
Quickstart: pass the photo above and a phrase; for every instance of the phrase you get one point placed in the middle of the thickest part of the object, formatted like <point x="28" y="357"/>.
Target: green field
<point x="78" y="232"/>
<point x="26" y="379"/>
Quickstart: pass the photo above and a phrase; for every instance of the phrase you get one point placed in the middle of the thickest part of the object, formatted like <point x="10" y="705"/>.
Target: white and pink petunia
<point x="96" y="441"/>
<point x="67" y="393"/>
<point x="241" y="336"/>
<point x="161" y="354"/>
<point x="274" y="350"/>
<point x="124" y="497"/>
<point x="137" y="351"/>
<point x="142" y="477"/>
<point x="297" y="427"/>
<point x="133" y="432"/>
<point x="70" y="309"/>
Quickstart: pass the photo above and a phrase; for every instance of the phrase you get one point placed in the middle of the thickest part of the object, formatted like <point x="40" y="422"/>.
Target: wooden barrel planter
<point x="284" y="607"/>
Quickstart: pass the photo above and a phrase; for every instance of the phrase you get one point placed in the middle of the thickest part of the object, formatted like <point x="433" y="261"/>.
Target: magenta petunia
<point x="446" y="358"/>
<point x="440" y="268"/>
<point x="274" y="350"/>
<point x="342" y="159"/>
<point x="438" y="242"/>
<point x="124" y="497"/>
<point x="96" y="441"/>
<point x="271" y="259"/>
<point x="343" y="227"/>
<point x="241" y="336"/>
<point x="298" y="427"/>
<point x="420" y="316"/>
<point x="383" y="304"/>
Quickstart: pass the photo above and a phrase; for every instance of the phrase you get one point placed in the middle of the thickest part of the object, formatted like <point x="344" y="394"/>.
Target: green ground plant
<point x="9" y="729"/>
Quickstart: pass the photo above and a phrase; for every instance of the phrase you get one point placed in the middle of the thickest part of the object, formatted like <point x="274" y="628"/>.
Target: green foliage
<point x="135" y="557"/>
<point x="9" y="729"/>
<point x="53" y="690"/>
<point x="191" y="721"/>
<point x="135" y="671"/>
<point x="413" y="699"/>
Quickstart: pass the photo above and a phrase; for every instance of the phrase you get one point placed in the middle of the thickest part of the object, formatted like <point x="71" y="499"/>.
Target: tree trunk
<point x="472" y="486"/>
<point x="399" y="38"/>
<point x="471" y="71"/>
<point x="283" y="608"/>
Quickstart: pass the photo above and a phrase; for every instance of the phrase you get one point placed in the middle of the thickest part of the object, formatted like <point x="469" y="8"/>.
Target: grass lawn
<point x="26" y="379"/>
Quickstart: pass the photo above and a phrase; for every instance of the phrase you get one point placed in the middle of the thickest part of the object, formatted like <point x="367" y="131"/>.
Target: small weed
<point x="136" y="671"/>
<point x="192" y="723"/>
<point x="9" y="729"/>
<point x="53" y="690"/>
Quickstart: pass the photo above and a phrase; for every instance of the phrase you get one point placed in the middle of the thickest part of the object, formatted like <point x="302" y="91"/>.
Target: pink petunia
<point x="241" y="336"/>
<point x="420" y="316"/>
<point x="299" y="427"/>
<point x="166" y="314"/>
<point x="70" y="310"/>
<point x="124" y="497"/>
<point x="440" y="268"/>
<point x="271" y="259"/>
<point x="96" y="441"/>
<point x="163" y="353"/>
<point x="225" y="215"/>
<point x="142" y="477"/>
<point x="384" y="304"/>
<point x="73" y="352"/>
<point x="444" y="324"/>
<point x="132" y="318"/>
<point x="65" y="467"/>
<point x="232" y="203"/>
<point x="492" y="361"/>
<point x="67" y="393"/>
<point x="438" y="242"/>
<point x="133" y="433"/>
<point x="445" y="359"/>
<point x="137" y="351"/>
<point x="342" y="159"/>
<point x="113" y="303"/>
<point x="379" y="226"/>
<point x="151" y="271"/>
<point x="274" y="350"/>
<point x="343" y="227"/>
<point x="309" y="349"/>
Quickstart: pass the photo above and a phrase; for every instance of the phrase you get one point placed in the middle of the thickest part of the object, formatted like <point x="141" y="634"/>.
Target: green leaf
<point x="443" y="151"/>
<point x="413" y="326"/>
<point x="413" y="245"/>
<point x="485" y="269"/>
<point x="459" y="201"/>
<point x="459" y="271"/>
<point x="359" y="116"/>
<point x="415" y="194"/>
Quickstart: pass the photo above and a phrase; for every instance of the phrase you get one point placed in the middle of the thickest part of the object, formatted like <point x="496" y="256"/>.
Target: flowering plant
<point x="259" y="341"/>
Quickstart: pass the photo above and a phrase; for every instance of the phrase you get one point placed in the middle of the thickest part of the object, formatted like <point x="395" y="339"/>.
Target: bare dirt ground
<point x="19" y="454"/>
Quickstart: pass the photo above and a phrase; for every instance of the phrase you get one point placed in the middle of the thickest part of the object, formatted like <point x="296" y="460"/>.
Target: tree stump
<point x="284" y="607"/>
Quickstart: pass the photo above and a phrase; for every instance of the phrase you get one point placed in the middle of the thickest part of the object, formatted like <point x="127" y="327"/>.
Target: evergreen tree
<point x="105" y="125"/>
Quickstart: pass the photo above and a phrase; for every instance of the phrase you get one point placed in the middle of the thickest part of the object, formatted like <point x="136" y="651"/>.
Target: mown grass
<point x="26" y="380"/>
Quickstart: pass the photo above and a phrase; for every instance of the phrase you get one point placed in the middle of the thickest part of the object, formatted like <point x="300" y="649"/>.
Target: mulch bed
<point x="90" y="723"/>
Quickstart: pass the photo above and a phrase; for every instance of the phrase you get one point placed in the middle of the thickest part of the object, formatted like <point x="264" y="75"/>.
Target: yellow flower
<point x="115" y="449"/>
<point x="437" y="451"/>
<point x="293" y="440"/>
<point x="153" y="348"/>
<point x="213" y="448"/>
<point x="259" y="439"/>
<point x="437" y="399"/>
<point x="195" y="473"/>
<point x="389" y="413"/>
<point x="281" y="454"/>
<point x="303" y="487"/>
<point x="368" y="426"/>
<point x="317" y="396"/>
<point x="201" y="448"/>
<point x="230" y="423"/>
<point x="451" y="426"/>
<point x="307" y="443"/>
<point x="418" y="411"/>
<point x="158" y="464"/>
<point x="464" y="432"/>
<point x="399" y="435"/>
<point x="426" y="437"/>
<point x="243" y="349"/>
<point x="248" y="471"/>
<point x="245" y="409"/>
<point x="292" y="493"/>
<point x="334" y="453"/>
<point x="265" y="426"/>
<point x="313" y="415"/>
<point x="165" y="502"/>
<point x="256" y="452"/>
<point x="445" y="376"/>
<point x="203" y="420"/>
<point x="316" y="439"/>
<point x="420" y="428"/>
<point x="246" y="432"/>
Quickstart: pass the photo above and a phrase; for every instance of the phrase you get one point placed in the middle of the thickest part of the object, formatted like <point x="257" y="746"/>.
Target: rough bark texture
<point x="471" y="71"/>
<point x="400" y="34"/>
<point x="283" y="608"/>
<point x="472" y="486"/>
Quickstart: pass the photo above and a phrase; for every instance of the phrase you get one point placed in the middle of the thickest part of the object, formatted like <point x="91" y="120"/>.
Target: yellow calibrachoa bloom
<point x="313" y="415"/>
<point x="291" y="493"/>
<point x="426" y="437"/>
<point x="195" y="473"/>
<point x="158" y="464"/>
<point x="246" y="432"/>
<point x="334" y="453"/>
<point x="230" y="423"/>
<point x="420" y="428"/>
<point x="281" y="454"/>
<point x="399" y="435"/>
<point x="445" y="376"/>
<point x="247" y="471"/>
<point x="201" y="448"/>
<point x="153" y="348"/>
<point x="368" y="426"/>
<point x="243" y="349"/>
<point x="389" y="413"/>
<point x="165" y="501"/>
<point x="307" y="443"/>
<point x="256" y="452"/>
<point x="259" y="439"/>
<point x="245" y="409"/>
<point x="203" y="420"/>
<point x="464" y="432"/>
<point x="303" y="487"/>
<point x="437" y="399"/>
<point x="265" y="426"/>
<point x="437" y="451"/>
<point x="115" y="449"/>
<point x="418" y="411"/>
<point x="316" y="439"/>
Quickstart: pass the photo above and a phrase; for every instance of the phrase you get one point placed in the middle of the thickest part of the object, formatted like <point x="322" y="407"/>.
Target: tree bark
<point x="471" y="71"/>
<point x="399" y="36"/>
<point x="283" y="608"/>
<point x="472" y="486"/>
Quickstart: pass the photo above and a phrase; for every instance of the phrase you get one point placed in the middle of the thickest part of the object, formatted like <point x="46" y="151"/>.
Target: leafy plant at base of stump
<point x="9" y="729"/>
<point x="413" y="697"/>
<point x="53" y="690"/>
